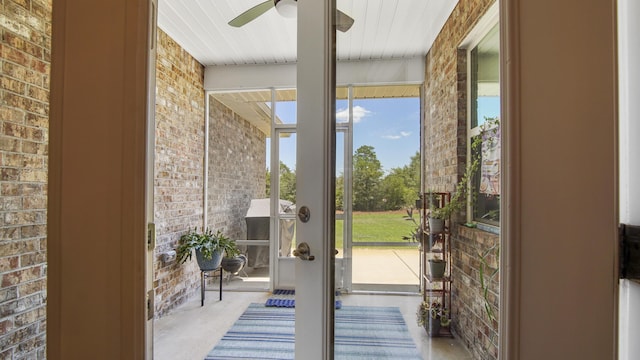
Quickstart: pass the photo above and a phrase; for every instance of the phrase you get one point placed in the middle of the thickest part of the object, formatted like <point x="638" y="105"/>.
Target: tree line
<point x="372" y="189"/>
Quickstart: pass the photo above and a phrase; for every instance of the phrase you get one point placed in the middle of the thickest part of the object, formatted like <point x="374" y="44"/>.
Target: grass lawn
<point x="388" y="226"/>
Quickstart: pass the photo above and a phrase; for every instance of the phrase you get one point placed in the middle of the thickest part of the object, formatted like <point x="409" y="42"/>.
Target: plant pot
<point x="209" y="264"/>
<point x="433" y="326"/>
<point x="437" y="268"/>
<point x="436" y="225"/>
<point x="234" y="265"/>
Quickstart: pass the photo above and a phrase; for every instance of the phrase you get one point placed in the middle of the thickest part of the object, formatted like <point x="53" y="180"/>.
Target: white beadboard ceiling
<point x="385" y="46"/>
<point x="383" y="29"/>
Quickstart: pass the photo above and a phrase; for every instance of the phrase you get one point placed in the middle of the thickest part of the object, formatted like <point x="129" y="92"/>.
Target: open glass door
<point x="314" y="266"/>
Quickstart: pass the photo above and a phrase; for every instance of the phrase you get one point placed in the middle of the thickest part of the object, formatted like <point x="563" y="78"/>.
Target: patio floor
<point x="191" y="331"/>
<point x="378" y="269"/>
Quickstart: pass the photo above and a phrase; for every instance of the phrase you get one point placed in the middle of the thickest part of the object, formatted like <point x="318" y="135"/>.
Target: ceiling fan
<point x="286" y="8"/>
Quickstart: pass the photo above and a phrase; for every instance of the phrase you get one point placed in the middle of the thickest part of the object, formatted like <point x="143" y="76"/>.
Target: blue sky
<point x="391" y="126"/>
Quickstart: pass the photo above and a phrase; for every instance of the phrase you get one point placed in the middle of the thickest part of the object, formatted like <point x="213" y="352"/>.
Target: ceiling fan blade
<point x="343" y="21"/>
<point x="252" y="13"/>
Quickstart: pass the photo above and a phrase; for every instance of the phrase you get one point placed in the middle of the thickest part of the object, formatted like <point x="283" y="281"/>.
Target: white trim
<point x="274" y="278"/>
<point x="485" y="23"/>
<point x="629" y="170"/>
<point x="488" y="21"/>
<point x="205" y="182"/>
<point x="359" y="73"/>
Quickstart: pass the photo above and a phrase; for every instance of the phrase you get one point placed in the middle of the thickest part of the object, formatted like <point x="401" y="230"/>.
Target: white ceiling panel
<point x="383" y="29"/>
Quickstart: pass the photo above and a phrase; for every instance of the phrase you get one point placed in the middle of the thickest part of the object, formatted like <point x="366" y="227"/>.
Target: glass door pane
<point x="386" y="184"/>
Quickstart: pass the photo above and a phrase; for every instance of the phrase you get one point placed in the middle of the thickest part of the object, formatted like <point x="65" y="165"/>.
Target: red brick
<point x="6" y="325"/>
<point x="9" y="263"/>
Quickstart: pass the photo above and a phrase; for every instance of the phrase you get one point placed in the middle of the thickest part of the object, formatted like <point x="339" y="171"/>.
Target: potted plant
<point x="437" y="268"/>
<point x="432" y="316"/>
<point x="438" y="214"/>
<point x="417" y="233"/>
<point x="233" y="261"/>
<point x="209" y="248"/>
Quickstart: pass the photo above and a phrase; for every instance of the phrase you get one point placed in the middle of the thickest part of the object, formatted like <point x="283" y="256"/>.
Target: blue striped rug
<point x="287" y="298"/>
<point x="360" y="333"/>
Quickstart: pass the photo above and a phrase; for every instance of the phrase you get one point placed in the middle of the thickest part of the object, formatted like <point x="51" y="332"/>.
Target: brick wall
<point x="25" y="33"/>
<point x="445" y="148"/>
<point x="473" y="248"/>
<point x="179" y="167"/>
<point x="236" y="173"/>
<point x="237" y="155"/>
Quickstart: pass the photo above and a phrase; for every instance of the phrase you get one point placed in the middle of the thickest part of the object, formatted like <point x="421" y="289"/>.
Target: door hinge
<point x="151" y="236"/>
<point x="629" y="251"/>
<point x="150" y="296"/>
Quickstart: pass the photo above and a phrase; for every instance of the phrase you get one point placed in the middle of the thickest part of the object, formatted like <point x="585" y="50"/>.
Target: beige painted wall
<point x="562" y="196"/>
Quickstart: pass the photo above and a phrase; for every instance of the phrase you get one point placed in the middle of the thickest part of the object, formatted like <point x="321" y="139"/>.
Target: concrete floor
<point x="382" y="268"/>
<point x="191" y="331"/>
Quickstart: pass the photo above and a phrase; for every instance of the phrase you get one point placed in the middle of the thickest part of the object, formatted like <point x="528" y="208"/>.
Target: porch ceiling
<point x="383" y="29"/>
<point x="387" y="40"/>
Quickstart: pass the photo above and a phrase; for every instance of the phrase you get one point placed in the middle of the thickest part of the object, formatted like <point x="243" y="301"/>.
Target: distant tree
<point x="340" y="192"/>
<point x="287" y="183"/>
<point x="392" y="190"/>
<point x="400" y="188"/>
<point x="413" y="180"/>
<point x="367" y="173"/>
<point x="267" y="191"/>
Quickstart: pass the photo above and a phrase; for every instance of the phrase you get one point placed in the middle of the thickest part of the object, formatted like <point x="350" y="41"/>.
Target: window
<point x="484" y="128"/>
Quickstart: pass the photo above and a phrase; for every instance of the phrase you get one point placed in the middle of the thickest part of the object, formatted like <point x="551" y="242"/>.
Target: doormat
<point x="286" y="298"/>
<point x="361" y="332"/>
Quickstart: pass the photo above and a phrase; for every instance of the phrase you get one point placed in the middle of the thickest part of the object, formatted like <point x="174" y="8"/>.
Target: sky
<point x="391" y="126"/>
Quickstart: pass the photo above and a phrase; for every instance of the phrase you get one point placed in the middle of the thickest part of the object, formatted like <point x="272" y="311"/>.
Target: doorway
<point x="387" y="118"/>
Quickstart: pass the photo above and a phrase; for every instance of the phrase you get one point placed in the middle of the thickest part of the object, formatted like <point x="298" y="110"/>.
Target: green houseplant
<point x="432" y="315"/>
<point x="208" y="246"/>
<point x="465" y="188"/>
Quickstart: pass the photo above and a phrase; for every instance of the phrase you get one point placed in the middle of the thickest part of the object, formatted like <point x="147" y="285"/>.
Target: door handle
<point x="303" y="251"/>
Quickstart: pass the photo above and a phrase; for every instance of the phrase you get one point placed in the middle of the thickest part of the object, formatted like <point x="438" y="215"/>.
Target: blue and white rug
<point x="287" y="298"/>
<point x="360" y="333"/>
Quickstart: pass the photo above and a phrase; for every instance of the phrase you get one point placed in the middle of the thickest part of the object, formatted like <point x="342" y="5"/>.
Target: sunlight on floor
<point x="191" y="331"/>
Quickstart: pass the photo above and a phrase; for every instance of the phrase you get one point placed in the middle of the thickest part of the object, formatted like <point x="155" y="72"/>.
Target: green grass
<point x="377" y="227"/>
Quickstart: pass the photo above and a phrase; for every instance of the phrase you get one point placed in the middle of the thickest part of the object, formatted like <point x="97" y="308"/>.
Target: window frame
<point x="484" y="26"/>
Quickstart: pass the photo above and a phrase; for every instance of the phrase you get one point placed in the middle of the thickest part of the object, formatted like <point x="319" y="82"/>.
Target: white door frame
<point x="629" y="132"/>
<point x="281" y="270"/>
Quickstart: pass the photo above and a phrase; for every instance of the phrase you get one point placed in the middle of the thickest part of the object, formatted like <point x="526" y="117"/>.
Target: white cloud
<point x="392" y="137"/>
<point x="342" y="115"/>
<point x="403" y="134"/>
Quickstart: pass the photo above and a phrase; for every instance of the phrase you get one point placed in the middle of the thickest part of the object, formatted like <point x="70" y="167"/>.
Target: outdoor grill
<point x="258" y="219"/>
